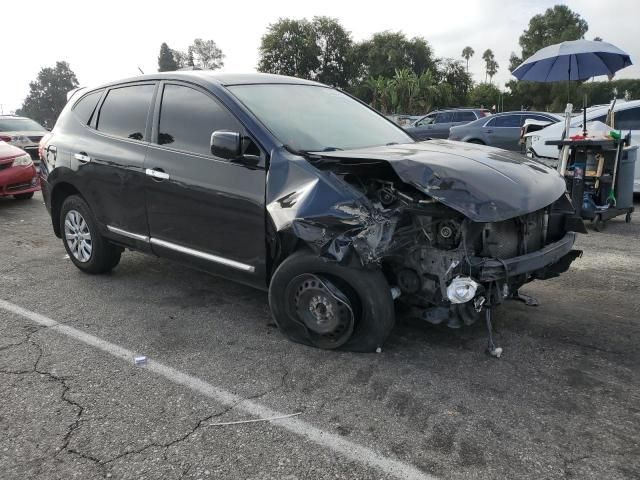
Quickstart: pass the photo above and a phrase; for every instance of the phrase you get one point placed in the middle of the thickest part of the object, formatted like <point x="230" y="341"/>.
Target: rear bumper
<point x="18" y="180"/>
<point x="547" y="262"/>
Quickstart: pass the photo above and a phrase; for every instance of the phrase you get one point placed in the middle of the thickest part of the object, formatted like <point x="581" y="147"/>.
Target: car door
<point x="628" y="120"/>
<point x="442" y="125"/>
<point x="202" y="209"/>
<point x="108" y="156"/>
<point x="503" y="131"/>
<point x="423" y="127"/>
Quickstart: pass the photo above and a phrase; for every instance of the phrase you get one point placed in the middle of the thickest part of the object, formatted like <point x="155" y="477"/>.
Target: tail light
<point x="42" y="144"/>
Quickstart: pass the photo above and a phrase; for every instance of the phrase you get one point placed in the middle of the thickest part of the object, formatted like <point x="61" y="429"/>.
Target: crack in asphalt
<point x="62" y="381"/>
<point x="75" y="425"/>
<point x="198" y="425"/>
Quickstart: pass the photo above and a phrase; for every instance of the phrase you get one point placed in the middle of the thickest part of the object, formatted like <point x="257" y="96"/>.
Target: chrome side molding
<point x="186" y="250"/>
<point x="124" y="233"/>
<point x="206" y="256"/>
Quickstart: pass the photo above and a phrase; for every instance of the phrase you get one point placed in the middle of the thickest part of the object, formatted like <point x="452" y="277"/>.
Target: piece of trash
<point x="66" y="257"/>
<point x="254" y="420"/>
<point x="140" y="360"/>
<point x="496" y="352"/>
<point x="379" y="350"/>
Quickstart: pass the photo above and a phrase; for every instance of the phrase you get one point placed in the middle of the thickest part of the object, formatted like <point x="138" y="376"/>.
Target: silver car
<point x="500" y="130"/>
<point x="22" y="132"/>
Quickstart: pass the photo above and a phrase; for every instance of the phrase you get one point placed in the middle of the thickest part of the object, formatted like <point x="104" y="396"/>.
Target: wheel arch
<point x="59" y="193"/>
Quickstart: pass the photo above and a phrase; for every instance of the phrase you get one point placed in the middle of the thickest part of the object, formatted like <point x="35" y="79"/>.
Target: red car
<point x="18" y="175"/>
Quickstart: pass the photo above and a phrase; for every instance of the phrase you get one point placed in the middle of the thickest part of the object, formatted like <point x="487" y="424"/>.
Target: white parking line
<point x="337" y="444"/>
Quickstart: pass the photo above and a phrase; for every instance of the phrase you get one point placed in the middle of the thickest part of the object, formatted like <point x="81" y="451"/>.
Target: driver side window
<point x="428" y="120"/>
<point x="188" y="117"/>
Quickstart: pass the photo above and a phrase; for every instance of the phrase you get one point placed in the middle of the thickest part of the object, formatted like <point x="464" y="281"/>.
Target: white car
<point x="627" y="118"/>
<point x="22" y="132"/>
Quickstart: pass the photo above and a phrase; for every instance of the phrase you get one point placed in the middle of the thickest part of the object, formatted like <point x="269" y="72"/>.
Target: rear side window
<point x="464" y="117"/>
<point x="83" y="109"/>
<point x="540" y="118"/>
<point x="444" y="117"/>
<point x="505" y="121"/>
<point x="628" y="119"/>
<point x="188" y="117"/>
<point x="124" y="111"/>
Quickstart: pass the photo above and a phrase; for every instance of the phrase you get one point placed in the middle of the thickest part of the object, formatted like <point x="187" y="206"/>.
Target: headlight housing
<point x="22" y="161"/>
<point x="461" y="289"/>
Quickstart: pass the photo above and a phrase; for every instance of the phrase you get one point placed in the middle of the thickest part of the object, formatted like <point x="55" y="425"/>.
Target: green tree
<point x="289" y="48"/>
<point x="334" y="52"/>
<point x="484" y="95"/>
<point x="166" y="59"/>
<point x="387" y="52"/>
<point x="555" y="25"/>
<point x="454" y="74"/>
<point x="204" y="54"/>
<point x="467" y="53"/>
<point x="48" y="94"/>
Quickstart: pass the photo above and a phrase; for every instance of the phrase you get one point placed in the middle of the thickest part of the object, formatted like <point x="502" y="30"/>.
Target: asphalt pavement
<point x="562" y="402"/>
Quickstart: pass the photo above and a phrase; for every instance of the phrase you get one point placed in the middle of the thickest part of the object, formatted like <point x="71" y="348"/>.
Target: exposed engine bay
<point x="451" y="241"/>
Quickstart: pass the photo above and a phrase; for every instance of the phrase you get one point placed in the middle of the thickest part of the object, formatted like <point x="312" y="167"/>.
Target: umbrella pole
<point x="569" y="83"/>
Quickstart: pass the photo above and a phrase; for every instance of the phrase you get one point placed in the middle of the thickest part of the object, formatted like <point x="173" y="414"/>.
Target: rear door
<point x="503" y="131"/>
<point x="202" y="209"/>
<point x="463" y="117"/>
<point x="109" y="157"/>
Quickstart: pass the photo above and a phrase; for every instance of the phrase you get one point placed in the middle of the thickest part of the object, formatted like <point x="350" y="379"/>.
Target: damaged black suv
<point x="298" y="188"/>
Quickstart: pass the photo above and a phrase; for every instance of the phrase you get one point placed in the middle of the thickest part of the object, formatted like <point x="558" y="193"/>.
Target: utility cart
<point x="599" y="175"/>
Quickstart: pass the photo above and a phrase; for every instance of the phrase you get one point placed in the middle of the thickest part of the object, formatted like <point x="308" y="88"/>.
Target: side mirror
<point x="226" y="144"/>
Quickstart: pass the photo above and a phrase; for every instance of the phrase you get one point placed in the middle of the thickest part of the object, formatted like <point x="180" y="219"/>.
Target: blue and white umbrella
<point x="574" y="60"/>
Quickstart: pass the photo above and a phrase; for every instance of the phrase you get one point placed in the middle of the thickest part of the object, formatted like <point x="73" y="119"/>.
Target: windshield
<point x="19" y="124"/>
<point x="313" y="118"/>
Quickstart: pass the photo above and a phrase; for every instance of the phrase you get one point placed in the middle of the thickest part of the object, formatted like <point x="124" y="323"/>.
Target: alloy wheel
<point x="78" y="236"/>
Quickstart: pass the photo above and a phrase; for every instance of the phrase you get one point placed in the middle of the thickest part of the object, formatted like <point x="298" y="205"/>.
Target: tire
<point x="477" y="142"/>
<point x="78" y="223"/>
<point x="365" y="291"/>
<point x="23" y="196"/>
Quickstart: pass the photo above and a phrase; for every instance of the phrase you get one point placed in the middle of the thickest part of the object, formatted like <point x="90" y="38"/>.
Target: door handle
<point x="82" y="157"/>
<point x="157" y="173"/>
<point x="489" y="131"/>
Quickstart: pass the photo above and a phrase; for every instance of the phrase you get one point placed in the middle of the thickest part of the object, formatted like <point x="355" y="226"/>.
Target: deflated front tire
<point x="326" y="305"/>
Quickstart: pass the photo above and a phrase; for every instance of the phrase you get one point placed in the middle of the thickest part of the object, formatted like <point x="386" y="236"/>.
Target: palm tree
<point x="467" y="53"/>
<point x="488" y="58"/>
<point x="492" y="69"/>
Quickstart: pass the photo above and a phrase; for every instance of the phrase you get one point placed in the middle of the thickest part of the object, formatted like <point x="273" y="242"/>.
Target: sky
<point x="105" y="41"/>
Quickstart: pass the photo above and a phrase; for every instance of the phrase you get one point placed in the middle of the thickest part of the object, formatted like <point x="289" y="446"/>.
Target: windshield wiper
<point x="330" y="149"/>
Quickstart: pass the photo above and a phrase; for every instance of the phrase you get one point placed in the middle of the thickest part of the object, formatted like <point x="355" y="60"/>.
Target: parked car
<point x="627" y="118"/>
<point x="501" y="130"/>
<point x="299" y="189"/>
<point x="437" y="124"/>
<point x="18" y="176"/>
<point x="403" y="120"/>
<point x="23" y="133"/>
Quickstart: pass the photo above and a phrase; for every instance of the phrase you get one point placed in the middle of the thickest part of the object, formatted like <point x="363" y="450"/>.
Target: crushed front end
<point x="452" y="232"/>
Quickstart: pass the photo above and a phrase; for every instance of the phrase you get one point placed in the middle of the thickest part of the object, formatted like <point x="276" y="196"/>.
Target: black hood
<point x="485" y="184"/>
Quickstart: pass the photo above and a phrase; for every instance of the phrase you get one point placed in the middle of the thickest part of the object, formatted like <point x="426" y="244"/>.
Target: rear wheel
<point x="87" y="249"/>
<point x="327" y="305"/>
<point x="23" y="196"/>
